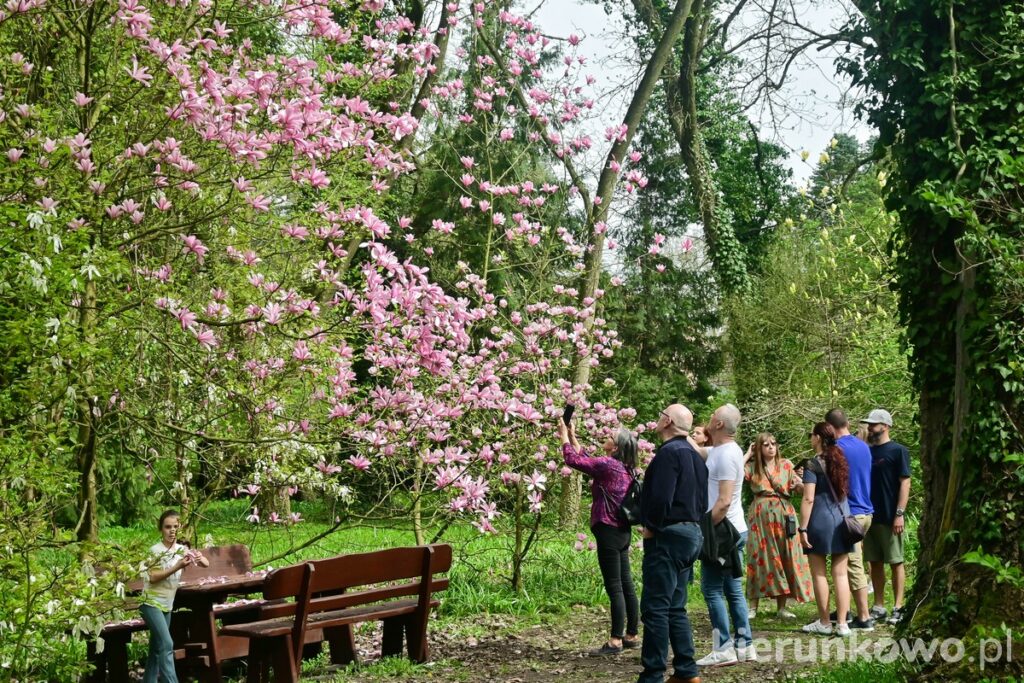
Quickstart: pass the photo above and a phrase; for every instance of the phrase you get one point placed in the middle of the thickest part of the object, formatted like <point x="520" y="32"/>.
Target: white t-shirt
<point x="162" y="592"/>
<point x="725" y="463"/>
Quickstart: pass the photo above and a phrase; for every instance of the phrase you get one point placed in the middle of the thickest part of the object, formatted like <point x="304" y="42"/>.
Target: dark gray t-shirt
<point x="890" y="462"/>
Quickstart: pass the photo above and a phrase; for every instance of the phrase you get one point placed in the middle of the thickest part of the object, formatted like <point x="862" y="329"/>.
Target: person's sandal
<point x="630" y="643"/>
<point x="607" y="649"/>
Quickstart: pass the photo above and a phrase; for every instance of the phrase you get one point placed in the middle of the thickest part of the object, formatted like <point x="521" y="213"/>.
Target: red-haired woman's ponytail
<point x="835" y="459"/>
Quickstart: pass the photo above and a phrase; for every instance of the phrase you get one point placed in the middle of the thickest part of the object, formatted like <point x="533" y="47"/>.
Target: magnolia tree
<point x="193" y="201"/>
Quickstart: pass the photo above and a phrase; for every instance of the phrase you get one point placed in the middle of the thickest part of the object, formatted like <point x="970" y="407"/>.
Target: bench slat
<point x="273" y="628"/>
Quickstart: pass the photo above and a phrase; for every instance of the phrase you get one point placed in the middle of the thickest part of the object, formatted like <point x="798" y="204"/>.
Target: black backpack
<point x="629" y="509"/>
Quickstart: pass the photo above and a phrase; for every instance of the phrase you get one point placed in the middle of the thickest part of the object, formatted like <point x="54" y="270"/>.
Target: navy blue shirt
<point x="675" y="486"/>
<point x="890" y="463"/>
<point x="858" y="457"/>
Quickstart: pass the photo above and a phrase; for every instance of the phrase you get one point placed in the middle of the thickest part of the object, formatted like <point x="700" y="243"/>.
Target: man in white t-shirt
<point x="719" y="586"/>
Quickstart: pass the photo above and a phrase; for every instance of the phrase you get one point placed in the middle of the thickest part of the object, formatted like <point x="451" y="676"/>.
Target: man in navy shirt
<point x="858" y="458"/>
<point x="890" y="491"/>
<point x="673" y="500"/>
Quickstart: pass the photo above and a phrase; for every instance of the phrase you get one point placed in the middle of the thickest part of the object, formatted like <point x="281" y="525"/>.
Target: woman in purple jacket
<point x="611" y="475"/>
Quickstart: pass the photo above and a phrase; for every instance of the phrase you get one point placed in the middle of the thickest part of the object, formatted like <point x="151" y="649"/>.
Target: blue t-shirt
<point x="858" y="457"/>
<point x="890" y="463"/>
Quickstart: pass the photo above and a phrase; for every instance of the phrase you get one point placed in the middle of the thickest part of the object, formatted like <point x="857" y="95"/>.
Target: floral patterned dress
<point x="776" y="565"/>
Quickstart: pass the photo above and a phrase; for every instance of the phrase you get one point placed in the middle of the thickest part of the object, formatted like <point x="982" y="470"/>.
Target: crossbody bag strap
<point x="835" y="498"/>
<point x="779" y="493"/>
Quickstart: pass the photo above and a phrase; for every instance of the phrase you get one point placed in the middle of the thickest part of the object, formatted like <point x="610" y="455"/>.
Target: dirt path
<point x="501" y="648"/>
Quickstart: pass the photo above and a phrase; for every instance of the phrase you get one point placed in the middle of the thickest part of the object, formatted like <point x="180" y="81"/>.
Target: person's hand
<point x="804" y="541"/>
<point x="898" y="525"/>
<point x="646" y="533"/>
<point x="563" y="431"/>
<point x="183" y="562"/>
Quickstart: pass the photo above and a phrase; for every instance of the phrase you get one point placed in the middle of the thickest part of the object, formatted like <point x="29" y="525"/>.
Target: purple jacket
<point x="606" y="473"/>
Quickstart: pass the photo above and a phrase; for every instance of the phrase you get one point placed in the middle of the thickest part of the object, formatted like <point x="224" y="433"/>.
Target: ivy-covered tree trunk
<point x="948" y="78"/>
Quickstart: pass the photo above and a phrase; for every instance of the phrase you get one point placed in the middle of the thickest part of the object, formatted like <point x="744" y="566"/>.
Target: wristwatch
<point x="803" y="531"/>
<point x="899" y="512"/>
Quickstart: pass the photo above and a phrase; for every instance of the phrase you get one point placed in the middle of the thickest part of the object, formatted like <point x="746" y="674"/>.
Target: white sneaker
<point x="785" y="614"/>
<point x="843" y="630"/>
<point x="751" y="614"/>
<point x="747" y="654"/>
<point x="723" y="657"/>
<point x="817" y="628"/>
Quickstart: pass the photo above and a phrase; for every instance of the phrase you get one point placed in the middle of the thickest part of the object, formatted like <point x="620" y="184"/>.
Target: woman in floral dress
<point x="776" y="564"/>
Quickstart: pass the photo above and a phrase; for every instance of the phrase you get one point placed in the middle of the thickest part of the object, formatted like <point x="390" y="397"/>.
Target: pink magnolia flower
<point x="206" y="338"/>
<point x="14" y="154"/>
<point x="359" y="462"/>
<point x="536" y="481"/>
<point x="81" y="99"/>
<point x="327" y="469"/>
<point x="186" y="317"/>
<point x="139" y="73"/>
<point x="254" y="518"/>
<point x="193" y="245"/>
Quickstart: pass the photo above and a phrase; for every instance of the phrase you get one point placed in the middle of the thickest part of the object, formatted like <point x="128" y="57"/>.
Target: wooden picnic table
<point x="194" y="622"/>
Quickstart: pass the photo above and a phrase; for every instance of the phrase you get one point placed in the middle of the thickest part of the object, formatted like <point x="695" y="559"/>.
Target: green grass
<point x="853" y="672"/>
<point x="555" y="576"/>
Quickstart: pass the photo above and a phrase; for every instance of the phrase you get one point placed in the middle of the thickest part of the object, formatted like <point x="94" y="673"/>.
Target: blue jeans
<point x="719" y="587"/>
<point x="161" y="647"/>
<point x="668" y="564"/>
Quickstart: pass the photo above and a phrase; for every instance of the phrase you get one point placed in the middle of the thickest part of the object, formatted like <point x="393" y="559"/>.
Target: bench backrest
<point x="404" y="571"/>
<point x="225" y="560"/>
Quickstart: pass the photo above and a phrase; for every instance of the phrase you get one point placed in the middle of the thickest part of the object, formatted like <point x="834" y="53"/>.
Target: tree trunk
<point x="88" y="523"/>
<point x="569" y="505"/>
<point x="959" y="248"/>
<point x="680" y="83"/>
<point x="519" y="540"/>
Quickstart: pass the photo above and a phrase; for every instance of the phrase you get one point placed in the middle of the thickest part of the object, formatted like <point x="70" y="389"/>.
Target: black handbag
<point x="853" y="531"/>
<point x="790" y="526"/>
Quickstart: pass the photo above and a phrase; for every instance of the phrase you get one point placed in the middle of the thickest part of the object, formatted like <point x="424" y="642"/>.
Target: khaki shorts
<point x="882" y="545"/>
<point x="858" y="576"/>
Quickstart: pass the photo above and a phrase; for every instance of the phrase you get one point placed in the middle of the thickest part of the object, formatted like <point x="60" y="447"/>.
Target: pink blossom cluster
<point x="287" y="311"/>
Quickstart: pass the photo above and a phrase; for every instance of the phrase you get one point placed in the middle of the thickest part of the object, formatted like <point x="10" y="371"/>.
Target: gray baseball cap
<point x="878" y="417"/>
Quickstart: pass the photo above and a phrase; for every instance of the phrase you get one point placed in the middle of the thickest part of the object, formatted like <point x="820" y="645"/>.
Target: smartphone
<point x="567" y="414"/>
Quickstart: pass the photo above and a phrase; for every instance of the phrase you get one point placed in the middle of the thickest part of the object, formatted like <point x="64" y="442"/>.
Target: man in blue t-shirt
<point x="858" y="457"/>
<point x="890" y="491"/>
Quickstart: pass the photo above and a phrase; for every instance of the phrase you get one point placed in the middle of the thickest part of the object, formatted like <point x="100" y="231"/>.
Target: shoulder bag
<point x="853" y="532"/>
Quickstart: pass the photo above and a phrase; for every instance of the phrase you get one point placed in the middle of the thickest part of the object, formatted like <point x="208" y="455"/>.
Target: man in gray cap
<point x="890" y="490"/>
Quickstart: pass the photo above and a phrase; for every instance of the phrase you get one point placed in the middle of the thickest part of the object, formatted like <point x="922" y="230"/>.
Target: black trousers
<point x="613" y="558"/>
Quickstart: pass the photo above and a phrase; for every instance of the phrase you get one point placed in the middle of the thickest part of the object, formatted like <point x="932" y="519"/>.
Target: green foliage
<point x="820" y="329"/>
<point x="1003" y="573"/>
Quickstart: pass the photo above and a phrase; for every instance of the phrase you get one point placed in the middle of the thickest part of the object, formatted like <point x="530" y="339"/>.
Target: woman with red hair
<point x="826" y="483"/>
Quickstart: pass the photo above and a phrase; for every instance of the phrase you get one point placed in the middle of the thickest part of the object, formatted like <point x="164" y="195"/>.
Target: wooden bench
<point x="112" y="663"/>
<point x="397" y="587"/>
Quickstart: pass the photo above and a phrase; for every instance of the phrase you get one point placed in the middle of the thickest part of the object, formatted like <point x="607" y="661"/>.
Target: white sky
<point x="813" y="88"/>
